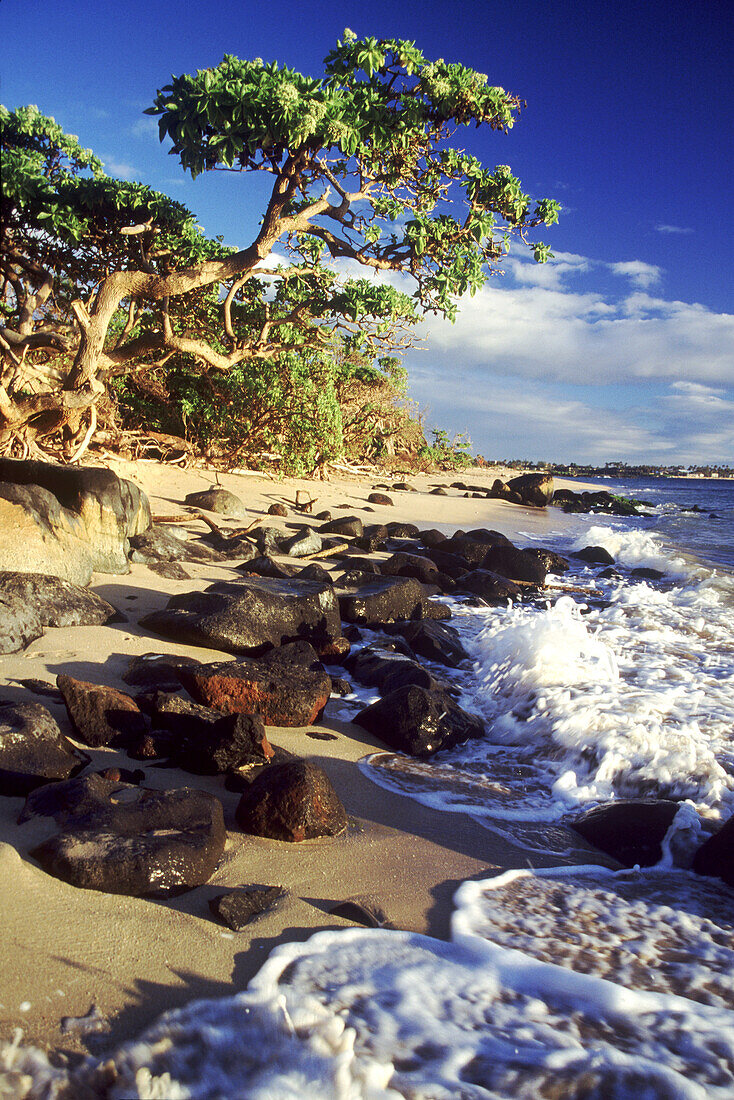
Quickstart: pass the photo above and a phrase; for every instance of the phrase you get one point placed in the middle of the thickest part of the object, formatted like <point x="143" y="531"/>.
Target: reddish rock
<point x="293" y="801"/>
<point x="282" y="694"/>
<point x="101" y="715"/>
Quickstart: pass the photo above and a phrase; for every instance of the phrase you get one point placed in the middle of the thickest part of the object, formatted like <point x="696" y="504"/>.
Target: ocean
<point x="560" y="981"/>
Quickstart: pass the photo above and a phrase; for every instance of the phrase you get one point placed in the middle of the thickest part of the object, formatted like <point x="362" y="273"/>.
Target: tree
<point x="362" y="169"/>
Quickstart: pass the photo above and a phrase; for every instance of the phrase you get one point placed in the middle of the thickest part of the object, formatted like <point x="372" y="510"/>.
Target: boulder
<point x="282" y="693"/>
<point x="375" y="535"/>
<point x="267" y="539"/>
<point x="303" y="543"/>
<point x="631" y="832"/>
<point x="493" y="588"/>
<point x="67" y="520"/>
<point x="387" y="670"/>
<point x="381" y="600"/>
<point x="594" y="555"/>
<point x="33" y="750"/>
<point x="205" y="742"/>
<point x="123" y="839"/>
<point x="101" y="715"/>
<point x="156" y="670"/>
<point x="433" y="640"/>
<point x="160" y="544"/>
<point x="278" y="510"/>
<point x="552" y="562"/>
<point x="419" y="722"/>
<point x="216" y="499"/>
<point x="515" y="564"/>
<point x="380" y="498"/>
<point x="533" y="489"/>
<point x="29" y="602"/>
<point x="398" y="530"/>
<point x="251" y="615"/>
<point x="410" y="565"/>
<point x="716" y="855"/>
<point x="293" y="801"/>
<point x="350" y="526"/>
<point x="265" y="566"/>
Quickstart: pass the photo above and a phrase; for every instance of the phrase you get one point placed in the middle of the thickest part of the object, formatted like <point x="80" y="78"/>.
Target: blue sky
<point x="622" y="347"/>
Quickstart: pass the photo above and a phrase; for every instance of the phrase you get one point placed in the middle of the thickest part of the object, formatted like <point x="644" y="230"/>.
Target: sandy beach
<point x="69" y="952"/>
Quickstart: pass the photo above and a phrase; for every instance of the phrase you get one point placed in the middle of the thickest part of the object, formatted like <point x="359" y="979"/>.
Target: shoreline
<point x="69" y="951"/>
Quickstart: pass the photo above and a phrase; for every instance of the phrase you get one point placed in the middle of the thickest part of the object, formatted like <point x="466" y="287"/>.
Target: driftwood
<point x="233" y="533"/>
<point x="328" y="552"/>
<point x="573" y="588"/>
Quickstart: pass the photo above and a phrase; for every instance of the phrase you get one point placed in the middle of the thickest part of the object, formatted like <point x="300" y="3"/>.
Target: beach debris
<point x="240" y="907"/>
<point x="101" y="715"/>
<point x="30" y="602"/>
<point x="304" y="502"/>
<point x="33" y="750"/>
<point x="124" y="839"/>
<point x="40" y="687"/>
<point x="92" y="1022"/>
<point x="380" y="600"/>
<point x="250" y="615"/>
<point x="293" y="801"/>
<point x="283" y="693"/>
<point x="419" y="722"/>
<point x="216" y="499"/>
<point x="632" y="832"/>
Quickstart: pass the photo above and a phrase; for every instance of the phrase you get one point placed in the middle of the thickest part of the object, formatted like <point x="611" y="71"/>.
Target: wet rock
<point x="419" y="722"/>
<point x="251" y="615"/>
<point x="240" y="907"/>
<point x="515" y="564"/>
<point x="470" y="552"/>
<point x="493" y="588"/>
<point x="283" y="694"/>
<point x="410" y="565"/>
<point x="647" y="574"/>
<point x="449" y="564"/>
<point x="385" y="670"/>
<point x="595" y="555"/>
<point x="123" y="839"/>
<point x="29" y="602"/>
<point x="533" y="489"/>
<point x="382" y="600"/>
<point x="216" y="499"/>
<point x="350" y="526"/>
<point x="101" y="715"/>
<point x="380" y="498"/>
<point x="433" y="640"/>
<point x="300" y="545"/>
<point x="435" y="610"/>
<point x="715" y="857"/>
<point x="552" y="562"/>
<point x="33" y="750"/>
<point x="293" y="801"/>
<point x="631" y="832"/>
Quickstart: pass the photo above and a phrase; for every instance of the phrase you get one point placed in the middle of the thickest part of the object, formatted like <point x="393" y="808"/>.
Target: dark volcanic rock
<point x="400" y="530"/>
<point x="240" y="907"/>
<point x="432" y="537"/>
<point x="124" y="839"/>
<point x="29" y="602"/>
<point x="552" y="562"/>
<point x="449" y="564"/>
<point x="251" y="615"/>
<point x="595" y="555"/>
<point x="156" y="670"/>
<point x="277" y="510"/>
<point x="293" y="801"/>
<point x="160" y="544"/>
<point x="303" y="543"/>
<point x="265" y="566"/>
<point x="419" y="722"/>
<point x="380" y="498"/>
<point x="646" y="573"/>
<point x="207" y="743"/>
<point x="351" y="526"/>
<point x="490" y="586"/>
<point x="533" y="489"/>
<point x="517" y="565"/>
<point x="631" y="832"/>
<point x="171" y="570"/>
<point x="410" y="565"/>
<point x="387" y="671"/>
<point x="283" y="694"/>
<point x="218" y="500"/>
<point x="101" y="715"/>
<point x="433" y="640"/>
<point x="716" y="855"/>
<point x="470" y="552"/>
<point x="33" y="750"/>
<point x="375" y="535"/>
<point x="382" y="600"/>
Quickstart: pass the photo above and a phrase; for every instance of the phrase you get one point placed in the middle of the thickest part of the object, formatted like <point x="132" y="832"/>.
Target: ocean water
<point x="565" y="982"/>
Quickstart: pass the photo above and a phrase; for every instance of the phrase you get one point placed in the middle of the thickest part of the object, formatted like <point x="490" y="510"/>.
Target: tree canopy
<point x="107" y="273"/>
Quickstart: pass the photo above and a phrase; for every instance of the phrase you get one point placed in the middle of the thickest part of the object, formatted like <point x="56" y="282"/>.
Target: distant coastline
<point x="622" y="470"/>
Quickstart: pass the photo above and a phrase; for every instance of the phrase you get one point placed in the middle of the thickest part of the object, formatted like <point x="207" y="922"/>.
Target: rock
<point x="361" y="910"/>
<point x="305" y="542"/>
<point x="293" y="801"/>
<point x="101" y="715"/>
<point x="715" y="857"/>
<point x="432" y="537"/>
<point x="449" y="564"/>
<point x="533" y="489"/>
<point x="124" y="839"/>
<point x="325" y="516"/>
<point x="251" y="615"/>
<point x="277" y="510"/>
<point x="471" y="552"/>
<point x="647" y="574"/>
<point x="205" y="742"/>
<point x="267" y="539"/>
<point x="433" y="640"/>
<point x="240" y="907"/>
<point x="410" y="565"/>
<point x="402" y="530"/>
<point x="380" y="498"/>
<point x="171" y="570"/>
<point x="381" y="600"/>
<point x="385" y="670"/>
<point x="439" y="491"/>
<point x="283" y="694"/>
<point x="160" y="544"/>
<point x="216" y="499"/>
<point x="29" y="602"/>
<point x="595" y="555"/>
<point x="631" y="832"/>
<point x="552" y="562"/>
<point x="515" y="564"/>
<point x="314" y="572"/>
<point x="434" y="609"/>
<point x="404" y="487"/>
<point x="375" y="535"/>
<point x="266" y="566"/>
<point x="156" y="670"/>
<point x="351" y="526"/>
<point x="67" y="521"/>
<point x="419" y="722"/>
<point x="33" y="750"/>
<point x="493" y="588"/>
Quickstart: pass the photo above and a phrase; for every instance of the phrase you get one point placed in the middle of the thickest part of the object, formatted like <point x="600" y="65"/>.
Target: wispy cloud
<point x="638" y="272"/>
<point x="145" y="128"/>
<point x="120" y="168"/>
<point x="673" y="229"/>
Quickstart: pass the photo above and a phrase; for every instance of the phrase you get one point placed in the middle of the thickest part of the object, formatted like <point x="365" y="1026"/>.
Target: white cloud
<point x="120" y="168"/>
<point x="145" y="128"/>
<point x="673" y="229"/>
<point x="638" y="272"/>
